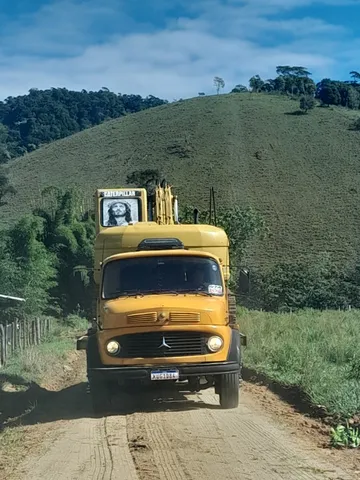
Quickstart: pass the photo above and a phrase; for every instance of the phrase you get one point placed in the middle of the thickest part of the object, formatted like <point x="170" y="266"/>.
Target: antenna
<point x="212" y="207"/>
<point x="196" y="216"/>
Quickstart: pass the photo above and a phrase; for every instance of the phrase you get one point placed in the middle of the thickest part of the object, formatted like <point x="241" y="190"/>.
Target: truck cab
<point x="163" y="307"/>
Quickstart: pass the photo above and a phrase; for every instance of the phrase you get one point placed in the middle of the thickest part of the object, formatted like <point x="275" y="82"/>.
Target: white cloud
<point x="56" y="47"/>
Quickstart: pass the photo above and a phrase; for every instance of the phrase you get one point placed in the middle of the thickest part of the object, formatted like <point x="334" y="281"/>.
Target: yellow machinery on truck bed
<point x="164" y="311"/>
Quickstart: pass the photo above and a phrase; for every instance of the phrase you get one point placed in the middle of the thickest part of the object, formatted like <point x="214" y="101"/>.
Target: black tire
<point x="229" y="390"/>
<point x="100" y="398"/>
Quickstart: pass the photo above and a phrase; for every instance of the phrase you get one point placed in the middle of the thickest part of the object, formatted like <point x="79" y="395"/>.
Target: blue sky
<point x="171" y="49"/>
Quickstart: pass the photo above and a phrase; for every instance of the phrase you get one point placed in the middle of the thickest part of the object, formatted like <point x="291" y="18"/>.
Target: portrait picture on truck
<point x="164" y="311"/>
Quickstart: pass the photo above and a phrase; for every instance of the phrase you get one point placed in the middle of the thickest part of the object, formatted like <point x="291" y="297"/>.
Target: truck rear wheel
<point x="229" y="390"/>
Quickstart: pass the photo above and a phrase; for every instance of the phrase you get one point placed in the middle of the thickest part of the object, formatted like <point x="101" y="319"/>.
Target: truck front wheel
<point x="228" y="389"/>
<point x="100" y="397"/>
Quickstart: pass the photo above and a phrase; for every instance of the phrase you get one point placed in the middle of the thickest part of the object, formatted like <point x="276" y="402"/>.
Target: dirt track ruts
<point x="178" y="437"/>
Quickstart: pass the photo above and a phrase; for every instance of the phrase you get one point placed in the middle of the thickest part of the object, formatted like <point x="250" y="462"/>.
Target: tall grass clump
<point x="316" y="351"/>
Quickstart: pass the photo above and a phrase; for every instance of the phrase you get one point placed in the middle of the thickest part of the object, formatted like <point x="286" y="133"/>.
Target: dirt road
<point x="178" y="437"/>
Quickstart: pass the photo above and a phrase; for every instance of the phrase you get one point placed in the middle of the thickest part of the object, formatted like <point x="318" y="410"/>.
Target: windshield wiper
<point x="196" y="292"/>
<point x="126" y="294"/>
<point x="142" y="293"/>
<point x="139" y="293"/>
<point x="161" y="292"/>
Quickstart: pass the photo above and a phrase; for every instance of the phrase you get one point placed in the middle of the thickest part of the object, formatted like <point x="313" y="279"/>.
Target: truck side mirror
<point x="81" y="342"/>
<point x="243" y="340"/>
<point x="244" y="281"/>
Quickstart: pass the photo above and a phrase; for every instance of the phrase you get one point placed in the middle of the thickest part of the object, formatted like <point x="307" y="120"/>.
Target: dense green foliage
<point x="319" y="284"/>
<point x="43" y="116"/>
<point x="47" y="258"/>
<point x="289" y="80"/>
<point x="296" y="81"/>
<point x="316" y="351"/>
<point x="27" y="268"/>
<point x="68" y="233"/>
<point x="307" y="102"/>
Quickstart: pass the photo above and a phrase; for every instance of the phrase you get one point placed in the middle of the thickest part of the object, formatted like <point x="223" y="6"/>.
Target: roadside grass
<point x="40" y="365"/>
<point x="36" y="363"/>
<point x="315" y="351"/>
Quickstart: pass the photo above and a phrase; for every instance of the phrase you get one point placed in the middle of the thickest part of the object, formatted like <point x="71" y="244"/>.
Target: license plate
<point x="165" y="375"/>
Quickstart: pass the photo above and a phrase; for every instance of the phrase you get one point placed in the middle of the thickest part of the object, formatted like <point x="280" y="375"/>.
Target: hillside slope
<point x="301" y="171"/>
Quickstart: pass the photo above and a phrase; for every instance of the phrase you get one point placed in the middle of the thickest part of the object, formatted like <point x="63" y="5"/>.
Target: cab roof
<point x="160" y="253"/>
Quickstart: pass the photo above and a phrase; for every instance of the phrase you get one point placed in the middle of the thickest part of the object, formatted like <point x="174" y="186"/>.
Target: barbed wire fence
<point x="21" y="334"/>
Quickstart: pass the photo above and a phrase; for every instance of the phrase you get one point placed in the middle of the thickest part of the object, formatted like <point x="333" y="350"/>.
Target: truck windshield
<point x="162" y="274"/>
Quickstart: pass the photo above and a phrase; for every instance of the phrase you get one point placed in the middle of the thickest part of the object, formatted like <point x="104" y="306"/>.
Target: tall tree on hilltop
<point x="355" y="76"/>
<point x="268" y="86"/>
<point x="328" y="93"/>
<point x="218" y="83"/>
<point x="283" y="70"/>
<point x="295" y="80"/>
<point x="288" y="71"/>
<point x="279" y="84"/>
<point x="256" y="83"/>
<point x="239" y="89"/>
<point x="300" y="72"/>
<point x="307" y="102"/>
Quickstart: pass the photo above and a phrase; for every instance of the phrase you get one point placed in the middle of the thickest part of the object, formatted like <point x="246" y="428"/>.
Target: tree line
<point x="296" y="81"/>
<point x="42" y="116"/>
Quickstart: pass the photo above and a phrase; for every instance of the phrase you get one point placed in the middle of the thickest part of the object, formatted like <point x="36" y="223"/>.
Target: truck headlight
<point x="113" y="347"/>
<point x="214" y="343"/>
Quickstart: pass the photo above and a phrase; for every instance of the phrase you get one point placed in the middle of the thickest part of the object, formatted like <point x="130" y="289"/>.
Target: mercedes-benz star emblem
<point x="164" y="344"/>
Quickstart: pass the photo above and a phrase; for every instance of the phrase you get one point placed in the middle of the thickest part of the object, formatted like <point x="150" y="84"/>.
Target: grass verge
<point x="37" y="363"/>
<point x="317" y="352"/>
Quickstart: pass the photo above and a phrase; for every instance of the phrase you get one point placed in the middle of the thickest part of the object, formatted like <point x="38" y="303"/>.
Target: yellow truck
<point x="164" y="312"/>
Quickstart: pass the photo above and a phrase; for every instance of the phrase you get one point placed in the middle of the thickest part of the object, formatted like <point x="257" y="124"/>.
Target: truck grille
<point x="184" y="317"/>
<point x="162" y="344"/>
<point x="148" y="317"/>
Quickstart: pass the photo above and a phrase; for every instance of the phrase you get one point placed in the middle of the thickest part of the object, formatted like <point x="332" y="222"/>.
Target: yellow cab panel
<point x="200" y="238"/>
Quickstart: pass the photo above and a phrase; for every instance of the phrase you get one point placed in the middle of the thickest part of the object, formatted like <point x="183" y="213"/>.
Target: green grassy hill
<point x="302" y="172"/>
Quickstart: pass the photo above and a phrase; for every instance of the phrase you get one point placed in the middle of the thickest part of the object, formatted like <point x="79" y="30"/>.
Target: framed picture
<point x="119" y="211"/>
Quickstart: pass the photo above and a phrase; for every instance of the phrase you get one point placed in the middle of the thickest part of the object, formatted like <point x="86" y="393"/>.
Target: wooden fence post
<point x="38" y="333"/>
<point x="22" y="334"/>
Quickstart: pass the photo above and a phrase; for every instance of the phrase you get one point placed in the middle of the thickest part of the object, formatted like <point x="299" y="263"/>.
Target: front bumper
<point x="143" y="372"/>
